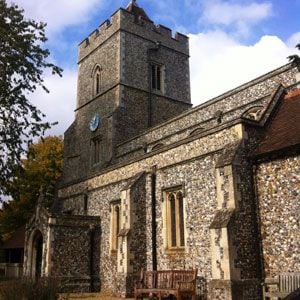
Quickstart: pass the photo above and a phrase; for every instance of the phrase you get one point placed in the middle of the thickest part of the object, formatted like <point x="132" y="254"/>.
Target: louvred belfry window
<point x="157" y="75"/>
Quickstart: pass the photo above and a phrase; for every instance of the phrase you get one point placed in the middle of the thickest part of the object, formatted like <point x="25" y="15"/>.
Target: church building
<point x="151" y="182"/>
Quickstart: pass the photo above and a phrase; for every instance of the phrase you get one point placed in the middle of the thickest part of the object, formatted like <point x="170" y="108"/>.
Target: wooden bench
<point x="282" y="286"/>
<point x="165" y="283"/>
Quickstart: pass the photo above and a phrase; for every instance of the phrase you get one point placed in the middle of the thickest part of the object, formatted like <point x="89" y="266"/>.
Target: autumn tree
<point x="41" y="169"/>
<point x="23" y="62"/>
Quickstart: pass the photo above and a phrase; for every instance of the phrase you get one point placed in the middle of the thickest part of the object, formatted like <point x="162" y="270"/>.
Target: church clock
<point x="95" y="122"/>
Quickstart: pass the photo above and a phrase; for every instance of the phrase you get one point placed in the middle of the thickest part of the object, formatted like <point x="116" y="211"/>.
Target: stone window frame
<point x="96" y="150"/>
<point x="157" y="77"/>
<point x="97" y="75"/>
<point x="115" y="224"/>
<point x="174" y="215"/>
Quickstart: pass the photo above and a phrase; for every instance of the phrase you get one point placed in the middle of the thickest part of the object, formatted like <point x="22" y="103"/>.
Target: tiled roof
<point x="284" y="130"/>
<point x="137" y="11"/>
<point x="16" y="241"/>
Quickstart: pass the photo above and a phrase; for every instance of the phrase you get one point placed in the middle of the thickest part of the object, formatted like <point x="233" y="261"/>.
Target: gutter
<point x="153" y="222"/>
<point x="92" y="234"/>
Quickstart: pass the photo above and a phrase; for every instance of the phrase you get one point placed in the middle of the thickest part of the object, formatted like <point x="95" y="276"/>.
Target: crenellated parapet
<point x="122" y="20"/>
<point x="154" y="32"/>
<point x="106" y="29"/>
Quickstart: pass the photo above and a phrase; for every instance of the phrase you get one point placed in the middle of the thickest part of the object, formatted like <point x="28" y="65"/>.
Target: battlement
<point x="149" y="30"/>
<point x="127" y="21"/>
<point x="167" y="32"/>
<point x="99" y="35"/>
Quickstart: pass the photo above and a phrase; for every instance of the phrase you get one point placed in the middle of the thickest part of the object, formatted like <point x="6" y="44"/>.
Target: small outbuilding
<point x="12" y="255"/>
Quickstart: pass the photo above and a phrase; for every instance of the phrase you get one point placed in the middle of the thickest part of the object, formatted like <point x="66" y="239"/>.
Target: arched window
<point x="115" y="224"/>
<point x="97" y="78"/>
<point x="175" y="219"/>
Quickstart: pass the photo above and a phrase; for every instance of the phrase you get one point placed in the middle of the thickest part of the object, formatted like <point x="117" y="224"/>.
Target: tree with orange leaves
<point x="41" y="169"/>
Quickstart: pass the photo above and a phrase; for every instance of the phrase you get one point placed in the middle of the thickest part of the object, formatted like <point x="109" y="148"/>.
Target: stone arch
<point x="35" y="254"/>
<point x="95" y="68"/>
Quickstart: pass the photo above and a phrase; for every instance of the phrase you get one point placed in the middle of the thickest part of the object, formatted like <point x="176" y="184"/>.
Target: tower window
<point x="156" y="77"/>
<point x="85" y="203"/>
<point x="97" y="83"/>
<point x="175" y="219"/>
<point x="96" y="149"/>
<point x="115" y="224"/>
<point x="97" y="80"/>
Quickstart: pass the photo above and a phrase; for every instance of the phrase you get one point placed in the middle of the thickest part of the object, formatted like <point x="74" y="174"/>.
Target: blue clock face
<point x="95" y="122"/>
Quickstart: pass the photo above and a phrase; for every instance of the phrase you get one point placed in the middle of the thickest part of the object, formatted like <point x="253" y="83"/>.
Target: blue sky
<point x="231" y="42"/>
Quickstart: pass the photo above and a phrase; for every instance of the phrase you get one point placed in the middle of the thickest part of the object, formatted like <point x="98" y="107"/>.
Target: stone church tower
<point x="132" y="75"/>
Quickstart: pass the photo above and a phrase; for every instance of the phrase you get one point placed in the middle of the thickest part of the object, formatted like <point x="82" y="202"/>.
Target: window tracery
<point x="175" y="219"/>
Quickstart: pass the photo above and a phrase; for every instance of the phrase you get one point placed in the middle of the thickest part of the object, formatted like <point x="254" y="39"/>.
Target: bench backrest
<point x="184" y="276"/>
<point x="149" y="279"/>
<point x="289" y="282"/>
<point x="166" y="278"/>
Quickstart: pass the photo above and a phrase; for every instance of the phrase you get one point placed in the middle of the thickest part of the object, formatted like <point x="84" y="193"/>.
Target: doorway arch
<point x="37" y="255"/>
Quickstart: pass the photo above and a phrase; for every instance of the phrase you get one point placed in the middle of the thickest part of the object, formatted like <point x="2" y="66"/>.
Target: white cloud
<point x="294" y="39"/>
<point x="222" y="13"/>
<point x="220" y="63"/>
<point x="59" y="14"/>
<point x="59" y="104"/>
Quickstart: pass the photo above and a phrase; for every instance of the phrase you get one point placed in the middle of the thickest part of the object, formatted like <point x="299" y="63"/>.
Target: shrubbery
<point x="26" y="289"/>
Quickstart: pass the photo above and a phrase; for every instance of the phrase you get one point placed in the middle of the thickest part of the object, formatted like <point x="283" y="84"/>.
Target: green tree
<point x="23" y="62"/>
<point x="41" y="169"/>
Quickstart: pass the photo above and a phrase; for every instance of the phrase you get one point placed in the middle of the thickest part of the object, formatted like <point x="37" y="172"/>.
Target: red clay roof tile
<point x="284" y="130"/>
